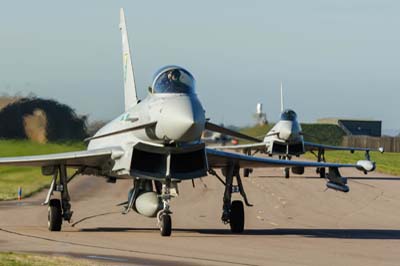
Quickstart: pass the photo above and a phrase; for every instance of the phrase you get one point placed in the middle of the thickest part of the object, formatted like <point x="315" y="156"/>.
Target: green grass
<point x="17" y="259"/>
<point x="29" y="178"/>
<point x="388" y="162"/>
<point x="323" y="133"/>
<point x="255" y="131"/>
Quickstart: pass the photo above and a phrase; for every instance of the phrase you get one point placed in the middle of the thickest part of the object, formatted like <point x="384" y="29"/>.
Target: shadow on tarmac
<point x="386" y="234"/>
<point x="350" y="178"/>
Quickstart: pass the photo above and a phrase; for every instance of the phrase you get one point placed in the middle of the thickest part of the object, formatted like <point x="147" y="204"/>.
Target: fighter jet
<point x="286" y="140"/>
<point x="156" y="143"/>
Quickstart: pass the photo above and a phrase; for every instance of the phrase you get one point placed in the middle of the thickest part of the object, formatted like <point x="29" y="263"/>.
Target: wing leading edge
<point x="220" y="159"/>
<point x="95" y="158"/>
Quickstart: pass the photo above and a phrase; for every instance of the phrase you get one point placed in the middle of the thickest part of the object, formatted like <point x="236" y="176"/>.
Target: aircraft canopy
<point x="289" y="115"/>
<point x="173" y="79"/>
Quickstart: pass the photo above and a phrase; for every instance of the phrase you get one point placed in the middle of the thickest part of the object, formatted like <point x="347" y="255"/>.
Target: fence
<point x="390" y="144"/>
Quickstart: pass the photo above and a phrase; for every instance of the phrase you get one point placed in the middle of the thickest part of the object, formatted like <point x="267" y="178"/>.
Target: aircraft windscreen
<point x="173" y="80"/>
<point x="289" y="115"/>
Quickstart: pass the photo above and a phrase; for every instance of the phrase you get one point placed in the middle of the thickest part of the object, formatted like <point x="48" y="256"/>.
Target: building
<point x="356" y="127"/>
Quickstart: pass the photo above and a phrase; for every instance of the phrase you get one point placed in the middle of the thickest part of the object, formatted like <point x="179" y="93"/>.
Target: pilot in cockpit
<point x="175" y="84"/>
<point x="173" y="80"/>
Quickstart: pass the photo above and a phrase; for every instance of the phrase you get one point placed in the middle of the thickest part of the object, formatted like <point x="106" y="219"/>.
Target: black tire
<point x="54" y="215"/>
<point x="165" y="225"/>
<point x="286" y="172"/>
<point x="246" y="172"/>
<point x="322" y="173"/>
<point x="236" y="219"/>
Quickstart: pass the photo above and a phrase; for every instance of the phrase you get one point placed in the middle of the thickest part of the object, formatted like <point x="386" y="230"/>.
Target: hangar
<point x="356" y="127"/>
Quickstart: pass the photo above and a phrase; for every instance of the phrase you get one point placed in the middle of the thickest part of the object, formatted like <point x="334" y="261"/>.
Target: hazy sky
<point x="336" y="58"/>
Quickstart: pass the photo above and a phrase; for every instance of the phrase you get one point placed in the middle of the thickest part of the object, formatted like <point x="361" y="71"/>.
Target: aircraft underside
<point x="175" y="163"/>
<point x="294" y="149"/>
<point x="151" y="196"/>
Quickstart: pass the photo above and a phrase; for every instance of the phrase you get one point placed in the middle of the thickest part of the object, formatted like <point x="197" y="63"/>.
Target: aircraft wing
<point x="220" y="159"/>
<point x="309" y="146"/>
<point x="95" y="158"/>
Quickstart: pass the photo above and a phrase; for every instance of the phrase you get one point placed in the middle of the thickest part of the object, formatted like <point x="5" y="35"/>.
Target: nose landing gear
<point x="164" y="216"/>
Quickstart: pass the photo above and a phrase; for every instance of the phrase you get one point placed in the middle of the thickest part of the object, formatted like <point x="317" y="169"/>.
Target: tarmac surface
<point x="294" y="221"/>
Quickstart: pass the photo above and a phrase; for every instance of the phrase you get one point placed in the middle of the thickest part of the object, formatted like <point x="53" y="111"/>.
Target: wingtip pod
<point x="366" y="165"/>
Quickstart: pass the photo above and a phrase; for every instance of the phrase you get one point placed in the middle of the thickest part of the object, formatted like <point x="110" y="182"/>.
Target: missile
<point x="337" y="187"/>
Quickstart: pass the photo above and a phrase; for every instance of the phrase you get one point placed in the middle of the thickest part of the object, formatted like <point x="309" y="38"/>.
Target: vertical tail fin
<point x="129" y="79"/>
<point x="282" y="106"/>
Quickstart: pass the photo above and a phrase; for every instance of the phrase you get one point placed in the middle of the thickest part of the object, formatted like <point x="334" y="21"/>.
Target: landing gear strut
<point x="321" y="158"/>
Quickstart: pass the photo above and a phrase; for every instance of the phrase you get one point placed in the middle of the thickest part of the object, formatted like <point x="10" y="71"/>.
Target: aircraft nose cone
<point x="290" y="131"/>
<point x="285" y="132"/>
<point x="182" y="119"/>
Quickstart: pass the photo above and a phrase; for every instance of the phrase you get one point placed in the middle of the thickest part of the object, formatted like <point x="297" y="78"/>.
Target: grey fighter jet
<point x="286" y="140"/>
<point x="157" y="144"/>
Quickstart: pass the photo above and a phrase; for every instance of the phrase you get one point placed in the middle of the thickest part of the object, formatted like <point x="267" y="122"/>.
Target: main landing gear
<point x="233" y="211"/>
<point x="321" y="158"/>
<point x="59" y="209"/>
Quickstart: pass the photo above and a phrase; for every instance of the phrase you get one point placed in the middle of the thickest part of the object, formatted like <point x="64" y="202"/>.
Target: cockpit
<point x="173" y="79"/>
<point x="288" y="115"/>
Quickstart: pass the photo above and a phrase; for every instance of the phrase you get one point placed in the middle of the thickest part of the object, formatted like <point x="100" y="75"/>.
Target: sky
<point x="335" y="58"/>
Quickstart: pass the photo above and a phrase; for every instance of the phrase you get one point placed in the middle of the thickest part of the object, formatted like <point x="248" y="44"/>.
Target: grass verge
<point x="388" y="162"/>
<point x="18" y="259"/>
<point x="29" y="178"/>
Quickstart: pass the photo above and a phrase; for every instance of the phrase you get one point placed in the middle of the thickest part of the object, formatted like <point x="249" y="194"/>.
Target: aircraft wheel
<point x="236" y="219"/>
<point x="246" y="172"/>
<point x="165" y="225"/>
<point x="322" y="172"/>
<point x="54" y="215"/>
<point x="286" y="172"/>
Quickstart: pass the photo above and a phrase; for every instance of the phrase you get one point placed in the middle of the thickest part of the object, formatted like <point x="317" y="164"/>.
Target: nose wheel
<point x="286" y="172"/>
<point x="165" y="225"/>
